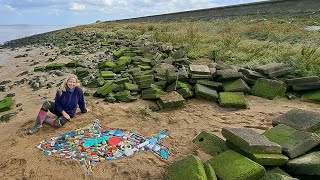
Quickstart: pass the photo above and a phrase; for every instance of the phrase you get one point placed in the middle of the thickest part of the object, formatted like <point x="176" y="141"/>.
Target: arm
<point x="59" y="106"/>
<point x="58" y="103"/>
<point x="81" y="103"/>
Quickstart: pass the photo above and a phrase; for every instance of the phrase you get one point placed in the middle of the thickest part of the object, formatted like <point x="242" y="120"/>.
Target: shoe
<point x="34" y="130"/>
<point x="46" y="105"/>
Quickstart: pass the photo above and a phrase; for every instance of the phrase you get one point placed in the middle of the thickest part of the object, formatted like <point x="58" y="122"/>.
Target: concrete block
<point x="211" y="174"/>
<point x="268" y="88"/>
<point x="210" y="84"/>
<point x="269" y="159"/>
<point x="294" y="142"/>
<point x="131" y="87"/>
<point x="299" y="119"/>
<point x="124" y="96"/>
<point x="312" y="96"/>
<point x="200" y="69"/>
<point x="206" y="92"/>
<point x="230" y="165"/>
<point x="152" y="93"/>
<point x="171" y="100"/>
<point x="233" y="100"/>
<point x="189" y="168"/>
<point x="236" y="86"/>
<point x="274" y="69"/>
<point x="6" y="103"/>
<point x="308" y="164"/>
<point x="210" y="143"/>
<point x="228" y="74"/>
<point x="251" y="141"/>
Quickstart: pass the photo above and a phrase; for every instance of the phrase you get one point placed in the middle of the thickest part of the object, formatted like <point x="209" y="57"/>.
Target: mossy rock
<point x="82" y="72"/>
<point x="7" y="117"/>
<point x="270" y="159"/>
<point x="143" y="78"/>
<point x="39" y="69"/>
<point x="294" y="142"/>
<point x="119" y="67"/>
<point x="55" y="66"/>
<point x="96" y="83"/>
<point x="211" y="84"/>
<point x="276" y="176"/>
<point x="107" y="74"/>
<point x="6" y="104"/>
<point x="74" y="63"/>
<point x="205" y="92"/>
<point x="236" y="86"/>
<point x="178" y="85"/>
<point x="125" y="75"/>
<point x="105" y="89"/>
<point x="124" y="96"/>
<point x="230" y="165"/>
<point x="312" y="96"/>
<point x="211" y="175"/>
<point x="152" y="93"/>
<point x="268" y="88"/>
<point x="124" y="60"/>
<point x="121" y="81"/>
<point x="144" y="68"/>
<point x="308" y="164"/>
<point x="210" y="143"/>
<point x="171" y="100"/>
<point x="106" y="64"/>
<point x="133" y="70"/>
<point x="233" y="100"/>
<point x="110" y="98"/>
<point x="131" y="87"/>
<point x="186" y="92"/>
<point x="189" y="168"/>
<point x="119" y="53"/>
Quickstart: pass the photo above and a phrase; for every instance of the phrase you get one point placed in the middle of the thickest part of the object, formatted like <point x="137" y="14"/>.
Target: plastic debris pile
<point x="94" y="144"/>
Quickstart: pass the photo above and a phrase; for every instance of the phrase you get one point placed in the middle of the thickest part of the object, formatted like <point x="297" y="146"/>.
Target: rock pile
<point x="289" y="150"/>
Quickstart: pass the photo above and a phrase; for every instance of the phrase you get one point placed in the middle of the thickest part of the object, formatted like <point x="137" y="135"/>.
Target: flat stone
<point x="105" y="89"/>
<point x="171" y="100"/>
<point x="228" y="74"/>
<point x="274" y="69"/>
<point x="307" y="86"/>
<point x="124" y="96"/>
<point x="294" y="142"/>
<point x="251" y="141"/>
<point x="302" y="80"/>
<point x="210" y="143"/>
<point x="233" y="100"/>
<point x="210" y="84"/>
<point x="268" y="88"/>
<point x="300" y="119"/>
<point x="6" y="104"/>
<point x="235" y="86"/>
<point x="152" y="93"/>
<point x="200" y="69"/>
<point x="251" y="74"/>
<point x="211" y="174"/>
<point x="171" y="75"/>
<point x="232" y="165"/>
<point x="312" y="96"/>
<point x="276" y="176"/>
<point x="206" y="92"/>
<point x="178" y="85"/>
<point x="270" y="159"/>
<point x="190" y="167"/>
<point x="308" y="164"/>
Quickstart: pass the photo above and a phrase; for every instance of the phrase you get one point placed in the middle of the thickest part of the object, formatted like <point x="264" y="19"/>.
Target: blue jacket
<point x="68" y="102"/>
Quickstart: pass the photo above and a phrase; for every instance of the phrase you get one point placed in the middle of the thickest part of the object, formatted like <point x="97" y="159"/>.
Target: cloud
<point x="77" y="7"/>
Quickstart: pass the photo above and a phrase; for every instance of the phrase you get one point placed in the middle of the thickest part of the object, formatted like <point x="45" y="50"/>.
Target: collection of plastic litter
<point x="93" y="144"/>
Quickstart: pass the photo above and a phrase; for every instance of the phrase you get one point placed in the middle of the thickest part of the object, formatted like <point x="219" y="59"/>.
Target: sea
<point x="11" y="32"/>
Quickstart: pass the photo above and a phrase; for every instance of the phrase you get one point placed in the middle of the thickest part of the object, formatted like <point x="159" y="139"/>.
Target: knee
<point x="46" y="105"/>
<point x="60" y="122"/>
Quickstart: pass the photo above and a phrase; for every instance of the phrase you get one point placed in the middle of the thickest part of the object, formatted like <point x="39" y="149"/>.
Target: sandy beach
<point x="20" y="159"/>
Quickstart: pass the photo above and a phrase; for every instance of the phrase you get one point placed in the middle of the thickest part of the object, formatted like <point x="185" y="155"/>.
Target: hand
<point x="65" y="115"/>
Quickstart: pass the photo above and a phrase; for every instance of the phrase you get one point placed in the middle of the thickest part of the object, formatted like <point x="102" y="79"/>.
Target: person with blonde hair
<point x="68" y="97"/>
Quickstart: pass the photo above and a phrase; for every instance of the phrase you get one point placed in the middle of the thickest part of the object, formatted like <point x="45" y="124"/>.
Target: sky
<point x="76" y="12"/>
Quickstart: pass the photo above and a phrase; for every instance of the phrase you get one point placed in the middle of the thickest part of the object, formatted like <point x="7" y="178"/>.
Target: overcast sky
<point x="75" y="12"/>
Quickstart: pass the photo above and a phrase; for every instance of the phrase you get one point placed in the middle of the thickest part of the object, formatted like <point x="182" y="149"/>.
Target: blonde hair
<point x="63" y="86"/>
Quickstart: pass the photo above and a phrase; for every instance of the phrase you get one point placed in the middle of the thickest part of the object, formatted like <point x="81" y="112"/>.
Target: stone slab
<point x="251" y="74"/>
<point x="228" y="74"/>
<point x="6" y="103"/>
<point x="308" y="164"/>
<point x="312" y="96"/>
<point x="294" y="142"/>
<point x="200" y="69"/>
<point x="171" y="100"/>
<point x="210" y="143"/>
<point x="302" y="80"/>
<point x="235" y="86"/>
<point x="190" y="167"/>
<point x="271" y="68"/>
<point x="233" y="100"/>
<point x="251" y="141"/>
<point x="230" y="165"/>
<point x="270" y="159"/>
<point x="299" y="119"/>
<point x="206" y="92"/>
<point x="268" y="88"/>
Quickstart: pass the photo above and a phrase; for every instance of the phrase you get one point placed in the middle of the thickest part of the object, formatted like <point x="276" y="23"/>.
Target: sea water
<point x="11" y="32"/>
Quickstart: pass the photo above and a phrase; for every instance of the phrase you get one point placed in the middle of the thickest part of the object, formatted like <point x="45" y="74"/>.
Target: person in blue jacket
<point x="68" y="97"/>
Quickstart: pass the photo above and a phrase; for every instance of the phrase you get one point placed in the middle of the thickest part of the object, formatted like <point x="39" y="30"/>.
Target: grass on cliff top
<point x="242" y="41"/>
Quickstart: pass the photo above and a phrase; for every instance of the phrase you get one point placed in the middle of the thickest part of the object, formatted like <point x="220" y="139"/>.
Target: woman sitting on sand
<point x="68" y="97"/>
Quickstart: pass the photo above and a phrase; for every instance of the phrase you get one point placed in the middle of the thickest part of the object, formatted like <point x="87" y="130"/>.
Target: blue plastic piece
<point x="163" y="154"/>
